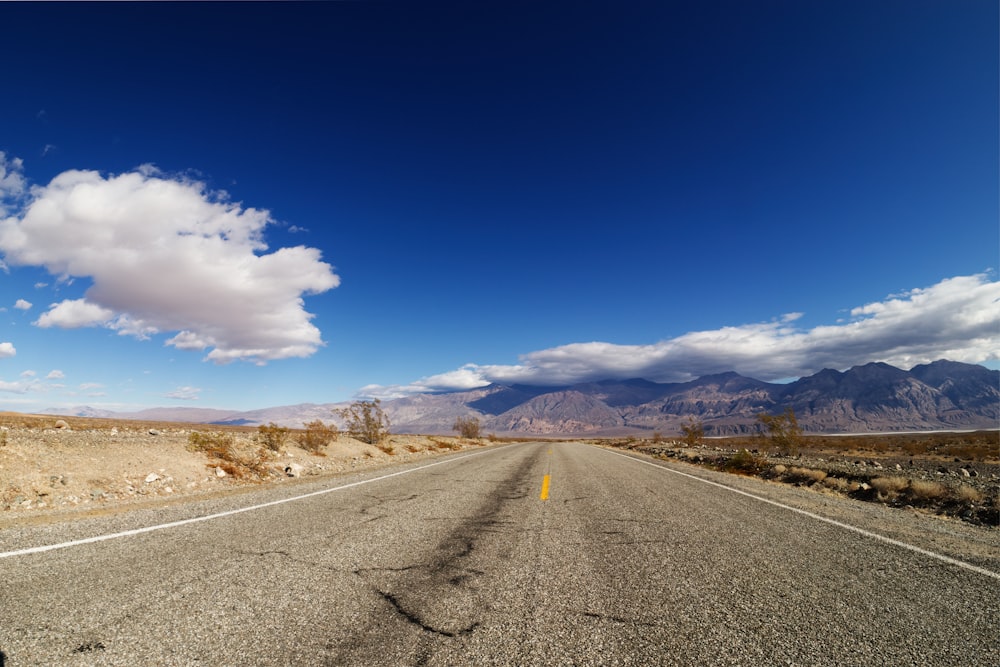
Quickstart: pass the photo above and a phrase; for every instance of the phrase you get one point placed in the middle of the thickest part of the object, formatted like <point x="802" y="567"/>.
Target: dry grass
<point x="889" y="486"/>
<point x="225" y="453"/>
<point x="744" y="462"/>
<point x="838" y="484"/>
<point x="440" y="443"/>
<point x="925" y="490"/>
<point x="968" y="494"/>
<point x="974" y="446"/>
<point x="315" y="436"/>
<point x="798" y="475"/>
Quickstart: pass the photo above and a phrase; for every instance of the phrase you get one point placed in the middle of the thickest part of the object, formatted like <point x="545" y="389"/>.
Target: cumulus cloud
<point x="55" y="375"/>
<point x="956" y="319"/>
<point x="21" y="304"/>
<point x="164" y="255"/>
<point x="7" y="350"/>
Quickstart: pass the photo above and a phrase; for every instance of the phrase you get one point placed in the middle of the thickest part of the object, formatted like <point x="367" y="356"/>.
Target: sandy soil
<point x="48" y="464"/>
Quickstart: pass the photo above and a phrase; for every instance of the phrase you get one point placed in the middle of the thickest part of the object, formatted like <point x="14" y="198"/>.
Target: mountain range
<point x="875" y="397"/>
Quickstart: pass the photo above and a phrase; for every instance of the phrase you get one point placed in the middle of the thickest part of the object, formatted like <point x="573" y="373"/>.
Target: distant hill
<point x="875" y="397"/>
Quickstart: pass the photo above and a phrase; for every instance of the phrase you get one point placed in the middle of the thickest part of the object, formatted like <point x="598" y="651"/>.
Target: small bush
<point x="467" y="427"/>
<point x="968" y="494"/>
<point x="694" y="432"/>
<point x="227" y="455"/>
<point x="445" y="444"/>
<point x="745" y="462"/>
<point x="805" y="475"/>
<point x="272" y="436"/>
<point x="889" y="486"/>
<point x="316" y="435"/>
<point x="213" y="443"/>
<point x="783" y="431"/>
<point x="366" y="421"/>
<point x="925" y="490"/>
<point x="837" y="484"/>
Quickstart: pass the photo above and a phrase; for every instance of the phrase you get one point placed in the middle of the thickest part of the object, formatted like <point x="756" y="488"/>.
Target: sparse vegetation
<point x="797" y="475"/>
<point x="316" y="435"/>
<point x="272" y="436"/>
<point x="467" y="427"/>
<point x="783" y="431"/>
<point x="226" y="454"/>
<point x="694" y="432"/>
<point x="438" y="443"/>
<point x="366" y="421"/>
<point x="744" y="462"/>
<point x="969" y="494"/>
<point x="951" y="474"/>
<point x="889" y="487"/>
<point x="927" y="490"/>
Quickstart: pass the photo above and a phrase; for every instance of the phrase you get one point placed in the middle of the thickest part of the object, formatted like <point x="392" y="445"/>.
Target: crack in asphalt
<point x="448" y="567"/>
<point x="415" y="619"/>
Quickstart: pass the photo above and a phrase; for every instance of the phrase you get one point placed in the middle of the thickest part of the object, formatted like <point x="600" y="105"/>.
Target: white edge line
<point x="834" y="522"/>
<point x="219" y="515"/>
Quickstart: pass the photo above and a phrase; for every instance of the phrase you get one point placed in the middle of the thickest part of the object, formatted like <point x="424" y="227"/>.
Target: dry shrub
<point x="889" y="486"/>
<point x="744" y="462"/>
<point x="968" y="494"/>
<point x="837" y="484"/>
<point x="413" y="449"/>
<point x="445" y="444"/>
<point x="315" y="436"/>
<point x="805" y="475"/>
<point x="925" y="490"/>
<point x="272" y="436"/>
<point x="227" y="455"/>
<point x="214" y="443"/>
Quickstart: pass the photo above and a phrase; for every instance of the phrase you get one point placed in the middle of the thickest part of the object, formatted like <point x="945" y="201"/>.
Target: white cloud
<point x="21" y="304"/>
<point x="22" y="387"/>
<point x="89" y="386"/>
<point x="12" y="183"/>
<point x="185" y="393"/>
<point x="74" y="313"/>
<point x="165" y="255"/>
<point x="956" y="319"/>
<point x="55" y="375"/>
<point x="7" y="350"/>
<point x="28" y="374"/>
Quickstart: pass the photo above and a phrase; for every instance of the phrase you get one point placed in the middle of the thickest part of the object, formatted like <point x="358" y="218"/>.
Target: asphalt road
<point x="528" y="554"/>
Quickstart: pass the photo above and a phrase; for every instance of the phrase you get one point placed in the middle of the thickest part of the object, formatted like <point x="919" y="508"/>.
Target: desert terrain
<point x="52" y="466"/>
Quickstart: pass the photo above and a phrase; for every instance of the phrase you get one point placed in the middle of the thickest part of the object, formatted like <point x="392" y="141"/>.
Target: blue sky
<point x="247" y="205"/>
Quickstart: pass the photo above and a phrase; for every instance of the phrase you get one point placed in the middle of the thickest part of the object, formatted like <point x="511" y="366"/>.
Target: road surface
<point x="525" y="554"/>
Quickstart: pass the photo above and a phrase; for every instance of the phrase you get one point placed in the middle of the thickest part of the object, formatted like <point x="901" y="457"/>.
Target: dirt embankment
<point x="50" y="463"/>
<point x="955" y="475"/>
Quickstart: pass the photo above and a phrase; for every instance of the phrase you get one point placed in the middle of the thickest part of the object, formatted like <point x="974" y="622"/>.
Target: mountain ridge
<point x="874" y="397"/>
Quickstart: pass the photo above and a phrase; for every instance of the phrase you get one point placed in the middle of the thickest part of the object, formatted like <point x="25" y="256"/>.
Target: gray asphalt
<point x="463" y="563"/>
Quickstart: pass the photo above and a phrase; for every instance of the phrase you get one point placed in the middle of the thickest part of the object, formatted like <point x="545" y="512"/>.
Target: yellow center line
<point x="545" y="488"/>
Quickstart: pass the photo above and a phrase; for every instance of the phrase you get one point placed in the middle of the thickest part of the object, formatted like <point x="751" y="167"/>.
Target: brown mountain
<point x="943" y="395"/>
<point x="869" y="398"/>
